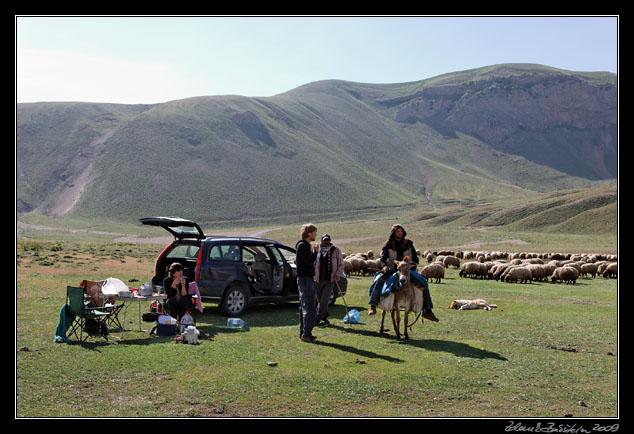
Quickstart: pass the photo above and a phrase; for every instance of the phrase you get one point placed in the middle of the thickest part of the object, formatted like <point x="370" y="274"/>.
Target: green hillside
<point x="324" y="149"/>
<point x="577" y="211"/>
<point x="579" y="220"/>
<point x="54" y="140"/>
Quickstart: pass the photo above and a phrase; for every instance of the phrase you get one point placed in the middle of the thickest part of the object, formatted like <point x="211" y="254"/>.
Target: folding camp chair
<point x="103" y="303"/>
<point x="112" y="321"/>
<point x="90" y="320"/>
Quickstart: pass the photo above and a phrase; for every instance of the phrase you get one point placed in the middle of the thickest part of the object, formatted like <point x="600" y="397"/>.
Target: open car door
<point x="177" y="226"/>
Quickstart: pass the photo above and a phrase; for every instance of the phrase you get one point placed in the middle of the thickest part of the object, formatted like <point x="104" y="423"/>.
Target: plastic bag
<point x="190" y="335"/>
<point x="166" y="319"/>
<point x="114" y="286"/>
<point x="352" y="317"/>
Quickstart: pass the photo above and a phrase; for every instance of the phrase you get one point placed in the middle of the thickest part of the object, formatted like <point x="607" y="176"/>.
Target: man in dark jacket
<point x="305" y="256"/>
<point x="395" y="249"/>
<point x="328" y="268"/>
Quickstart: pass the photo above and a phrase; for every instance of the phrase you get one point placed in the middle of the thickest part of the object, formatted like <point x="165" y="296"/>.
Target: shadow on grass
<point x="212" y="322"/>
<point x="363" y="353"/>
<point x="207" y="332"/>
<point x="458" y="349"/>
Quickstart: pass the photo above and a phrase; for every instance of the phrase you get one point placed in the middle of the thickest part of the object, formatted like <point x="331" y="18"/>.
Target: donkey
<point x="409" y="298"/>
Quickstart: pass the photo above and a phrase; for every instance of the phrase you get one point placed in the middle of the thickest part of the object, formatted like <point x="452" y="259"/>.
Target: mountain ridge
<point x="328" y="146"/>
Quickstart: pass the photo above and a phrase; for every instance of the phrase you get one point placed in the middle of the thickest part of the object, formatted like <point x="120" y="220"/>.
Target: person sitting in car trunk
<point x="177" y="290"/>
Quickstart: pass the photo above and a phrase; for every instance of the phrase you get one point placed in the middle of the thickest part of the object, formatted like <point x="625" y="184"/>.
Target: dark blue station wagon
<point x="233" y="272"/>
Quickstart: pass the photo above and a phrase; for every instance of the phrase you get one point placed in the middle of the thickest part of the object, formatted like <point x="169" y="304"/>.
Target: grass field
<point x="547" y="351"/>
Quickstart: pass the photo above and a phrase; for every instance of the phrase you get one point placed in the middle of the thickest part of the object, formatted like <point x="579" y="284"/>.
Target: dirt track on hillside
<point x="135" y="239"/>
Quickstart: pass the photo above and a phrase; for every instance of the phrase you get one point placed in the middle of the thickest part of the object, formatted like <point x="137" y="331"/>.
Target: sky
<point x="154" y="59"/>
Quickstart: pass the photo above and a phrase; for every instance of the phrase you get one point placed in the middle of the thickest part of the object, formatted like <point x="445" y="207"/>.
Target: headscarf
<point x="391" y="241"/>
<point x="323" y="250"/>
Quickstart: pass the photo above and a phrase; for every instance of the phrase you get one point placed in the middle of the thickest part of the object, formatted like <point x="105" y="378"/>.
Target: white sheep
<point x="518" y="274"/>
<point x="590" y="269"/>
<point x="538" y="273"/>
<point x="433" y="271"/>
<point x="451" y="260"/>
<point x="372" y="266"/>
<point x="610" y="270"/>
<point x="565" y="274"/>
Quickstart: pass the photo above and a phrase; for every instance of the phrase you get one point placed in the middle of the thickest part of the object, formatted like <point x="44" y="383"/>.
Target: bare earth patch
<point x="126" y="238"/>
<point x="479" y="244"/>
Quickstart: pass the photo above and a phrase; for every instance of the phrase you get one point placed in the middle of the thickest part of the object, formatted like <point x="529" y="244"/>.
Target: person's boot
<point x="372" y="310"/>
<point x="430" y="316"/>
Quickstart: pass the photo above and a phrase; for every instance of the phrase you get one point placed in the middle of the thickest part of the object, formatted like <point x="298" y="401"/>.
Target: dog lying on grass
<point x="471" y="304"/>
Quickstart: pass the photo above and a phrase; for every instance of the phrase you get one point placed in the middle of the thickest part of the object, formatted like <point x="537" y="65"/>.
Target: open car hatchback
<point x="233" y="272"/>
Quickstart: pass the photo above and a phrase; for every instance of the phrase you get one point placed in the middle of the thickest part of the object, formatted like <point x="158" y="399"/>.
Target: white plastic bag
<point x="113" y="286"/>
<point x="167" y="319"/>
<point x="190" y="335"/>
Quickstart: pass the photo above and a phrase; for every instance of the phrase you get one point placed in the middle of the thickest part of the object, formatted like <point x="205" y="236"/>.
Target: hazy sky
<point x="156" y="59"/>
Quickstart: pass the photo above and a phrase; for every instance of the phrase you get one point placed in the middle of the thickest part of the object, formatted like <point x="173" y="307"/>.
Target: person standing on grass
<point x="328" y="268"/>
<point x="305" y="256"/>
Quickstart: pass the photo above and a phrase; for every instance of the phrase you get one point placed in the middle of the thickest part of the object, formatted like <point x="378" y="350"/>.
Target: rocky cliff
<point x="535" y="116"/>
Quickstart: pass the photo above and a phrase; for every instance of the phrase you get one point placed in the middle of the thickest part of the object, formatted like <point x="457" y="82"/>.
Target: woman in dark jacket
<point x="395" y="249"/>
<point x="177" y="290"/>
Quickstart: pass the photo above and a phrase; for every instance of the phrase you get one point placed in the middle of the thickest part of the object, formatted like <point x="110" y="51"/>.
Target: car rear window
<point x="226" y="252"/>
<point x="184" y="251"/>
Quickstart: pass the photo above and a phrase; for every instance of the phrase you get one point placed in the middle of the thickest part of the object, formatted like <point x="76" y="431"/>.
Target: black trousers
<point x="178" y="306"/>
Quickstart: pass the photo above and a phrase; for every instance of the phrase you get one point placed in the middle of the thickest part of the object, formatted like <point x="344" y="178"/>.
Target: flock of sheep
<point x="506" y="267"/>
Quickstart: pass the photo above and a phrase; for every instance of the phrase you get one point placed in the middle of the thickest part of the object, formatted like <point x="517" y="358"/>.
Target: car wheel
<point x="333" y="297"/>
<point x="234" y="302"/>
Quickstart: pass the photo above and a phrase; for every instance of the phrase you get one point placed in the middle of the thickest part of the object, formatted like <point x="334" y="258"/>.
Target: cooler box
<point x="166" y="329"/>
<point x="166" y="326"/>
